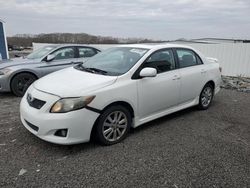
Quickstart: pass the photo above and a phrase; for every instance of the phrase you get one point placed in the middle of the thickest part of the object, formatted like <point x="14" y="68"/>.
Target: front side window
<point x="114" y="61"/>
<point x="162" y="61"/>
<point x="64" y="53"/>
<point x="186" y="58"/>
<point x="85" y="52"/>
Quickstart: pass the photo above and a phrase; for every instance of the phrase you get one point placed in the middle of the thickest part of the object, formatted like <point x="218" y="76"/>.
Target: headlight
<point x="71" y="104"/>
<point x="4" y="71"/>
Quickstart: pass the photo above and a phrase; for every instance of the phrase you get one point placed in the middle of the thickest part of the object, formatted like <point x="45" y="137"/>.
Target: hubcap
<point x="114" y="126"/>
<point x="206" y="96"/>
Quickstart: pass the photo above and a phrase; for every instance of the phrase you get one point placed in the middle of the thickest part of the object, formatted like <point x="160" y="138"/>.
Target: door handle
<point x="203" y="71"/>
<point x="176" y="77"/>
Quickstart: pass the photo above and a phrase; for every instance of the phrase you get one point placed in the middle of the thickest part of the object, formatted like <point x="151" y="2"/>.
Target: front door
<point x="161" y="92"/>
<point x="64" y="57"/>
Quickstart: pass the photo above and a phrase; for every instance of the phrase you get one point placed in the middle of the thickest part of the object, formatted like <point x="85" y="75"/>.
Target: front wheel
<point x="21" y="82"/>
<point x="206" y="97"/>
<point x="113" y="125"/>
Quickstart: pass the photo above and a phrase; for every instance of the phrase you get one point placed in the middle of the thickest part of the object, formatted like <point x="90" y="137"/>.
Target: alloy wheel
<point x="114" y="126"/>
<point x="206" y="96"/>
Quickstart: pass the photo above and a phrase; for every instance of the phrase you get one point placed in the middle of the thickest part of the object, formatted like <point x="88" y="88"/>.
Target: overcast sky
<point x="155" y="19"/>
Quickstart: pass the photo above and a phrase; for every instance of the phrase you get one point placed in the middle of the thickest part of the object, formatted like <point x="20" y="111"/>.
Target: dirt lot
<point x="187" y="149"/>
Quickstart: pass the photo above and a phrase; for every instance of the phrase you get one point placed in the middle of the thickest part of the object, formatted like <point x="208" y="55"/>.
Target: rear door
<point x="192" y="73"/>
<point x="159" y="93"/>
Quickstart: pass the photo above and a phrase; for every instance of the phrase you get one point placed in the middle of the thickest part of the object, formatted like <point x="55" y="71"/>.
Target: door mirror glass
<point x="148" y="72"/>
<point x="50" y="57"/>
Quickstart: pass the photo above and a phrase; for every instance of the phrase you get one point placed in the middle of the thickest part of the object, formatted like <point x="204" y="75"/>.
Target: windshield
<point x="114" y="61"/>
<point x="41" y="52"/>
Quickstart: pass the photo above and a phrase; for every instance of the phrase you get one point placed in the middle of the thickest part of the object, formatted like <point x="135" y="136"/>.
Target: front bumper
<point x="79" y="123"/>
<point x="4" y="83"/>
<point x="218" y="83"/>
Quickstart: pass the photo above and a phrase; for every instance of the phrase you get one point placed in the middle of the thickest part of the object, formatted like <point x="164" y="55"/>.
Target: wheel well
<point x="21" y="73"/>
<point x="122" y="103"/>
<point x="18" y="74"/>
<point x="212" y="83"/>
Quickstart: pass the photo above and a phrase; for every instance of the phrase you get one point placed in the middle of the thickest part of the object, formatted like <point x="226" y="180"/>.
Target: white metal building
<point x="234" y="57"/>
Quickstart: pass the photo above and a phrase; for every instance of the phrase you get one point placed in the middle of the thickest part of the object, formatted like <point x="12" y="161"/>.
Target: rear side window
<point x="162" y="61"/>
<point x="86" y="52"/>
<point x="187" y="58"/>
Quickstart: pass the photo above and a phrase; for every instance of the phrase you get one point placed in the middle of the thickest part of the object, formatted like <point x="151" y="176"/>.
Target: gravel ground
<point x="187" y="149"/>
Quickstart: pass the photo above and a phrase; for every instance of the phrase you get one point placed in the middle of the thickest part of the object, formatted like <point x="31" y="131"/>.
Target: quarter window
<point x="86" y="52"/>
<point x="162" y="61"/>
<point x="187" y="58"/>
<point x="64" y="53"/>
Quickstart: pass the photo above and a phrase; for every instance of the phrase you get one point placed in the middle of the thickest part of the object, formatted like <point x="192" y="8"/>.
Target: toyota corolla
<point x="122" y="87"/>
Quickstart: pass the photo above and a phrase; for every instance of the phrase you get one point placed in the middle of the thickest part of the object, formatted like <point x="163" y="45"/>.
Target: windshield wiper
<point x="98" y="70"/>
<point x="80" y="67"/>
<point x="92" y="70"/>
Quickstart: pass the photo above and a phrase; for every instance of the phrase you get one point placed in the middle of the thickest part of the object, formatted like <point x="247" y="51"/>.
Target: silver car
<point x="17" y="74"/>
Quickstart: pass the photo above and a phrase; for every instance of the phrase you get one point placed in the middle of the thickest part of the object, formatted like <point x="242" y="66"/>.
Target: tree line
<point x="26" y="40"/>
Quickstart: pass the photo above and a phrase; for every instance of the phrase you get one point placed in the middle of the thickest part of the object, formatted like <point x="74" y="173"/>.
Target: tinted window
<point x="64" y="53"/>
<point x="186" y="58"/>
<point x="162" y="61"/>
<point x="86" y="52"/>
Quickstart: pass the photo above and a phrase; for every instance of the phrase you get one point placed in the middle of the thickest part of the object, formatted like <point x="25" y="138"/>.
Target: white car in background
<point x="120" y="88"/>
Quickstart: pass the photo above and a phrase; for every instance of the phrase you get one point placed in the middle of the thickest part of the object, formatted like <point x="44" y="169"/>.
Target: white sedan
<point x="120" y="88"/>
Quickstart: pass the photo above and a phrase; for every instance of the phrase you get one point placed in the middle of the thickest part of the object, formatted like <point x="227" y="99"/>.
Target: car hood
<point x="16" y="62"/>
<point x="70" y="82"/>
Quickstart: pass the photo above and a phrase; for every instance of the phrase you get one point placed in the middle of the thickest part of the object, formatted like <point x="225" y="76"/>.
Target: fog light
<point x="61" y="132"/>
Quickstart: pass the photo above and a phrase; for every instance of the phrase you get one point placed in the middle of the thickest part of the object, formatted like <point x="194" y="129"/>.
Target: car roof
<point x="74" y="45"/>
<point x="65" y="45"/>
<point x="155" y="46"/>
<point x="149" y="46"/>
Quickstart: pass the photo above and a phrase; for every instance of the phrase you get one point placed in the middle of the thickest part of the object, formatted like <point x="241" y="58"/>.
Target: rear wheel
<point x="113" y="125"/>
<point x="206" y="97"/>
<point x="21" y="82"/>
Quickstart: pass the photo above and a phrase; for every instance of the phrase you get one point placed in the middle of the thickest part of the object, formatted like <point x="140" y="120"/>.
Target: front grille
<point x="35" y="103"/>
<point x="35" y="128"/>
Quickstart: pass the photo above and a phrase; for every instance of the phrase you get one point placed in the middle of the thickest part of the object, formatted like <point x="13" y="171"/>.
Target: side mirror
<point x="50" y="57"/>
<point x="148" y="72"/>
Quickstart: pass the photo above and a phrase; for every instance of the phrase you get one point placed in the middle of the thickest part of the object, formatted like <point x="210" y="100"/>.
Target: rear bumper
<point x="44" y="124"/>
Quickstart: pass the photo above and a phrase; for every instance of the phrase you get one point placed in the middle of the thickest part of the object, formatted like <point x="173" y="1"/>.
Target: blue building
<point x="3" y="42"/>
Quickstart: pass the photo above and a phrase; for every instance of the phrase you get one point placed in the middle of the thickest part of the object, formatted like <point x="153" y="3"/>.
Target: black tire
<point x="205" y="103"/>
<point x="104" y="119"/>
<point x="20" y="83"/>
